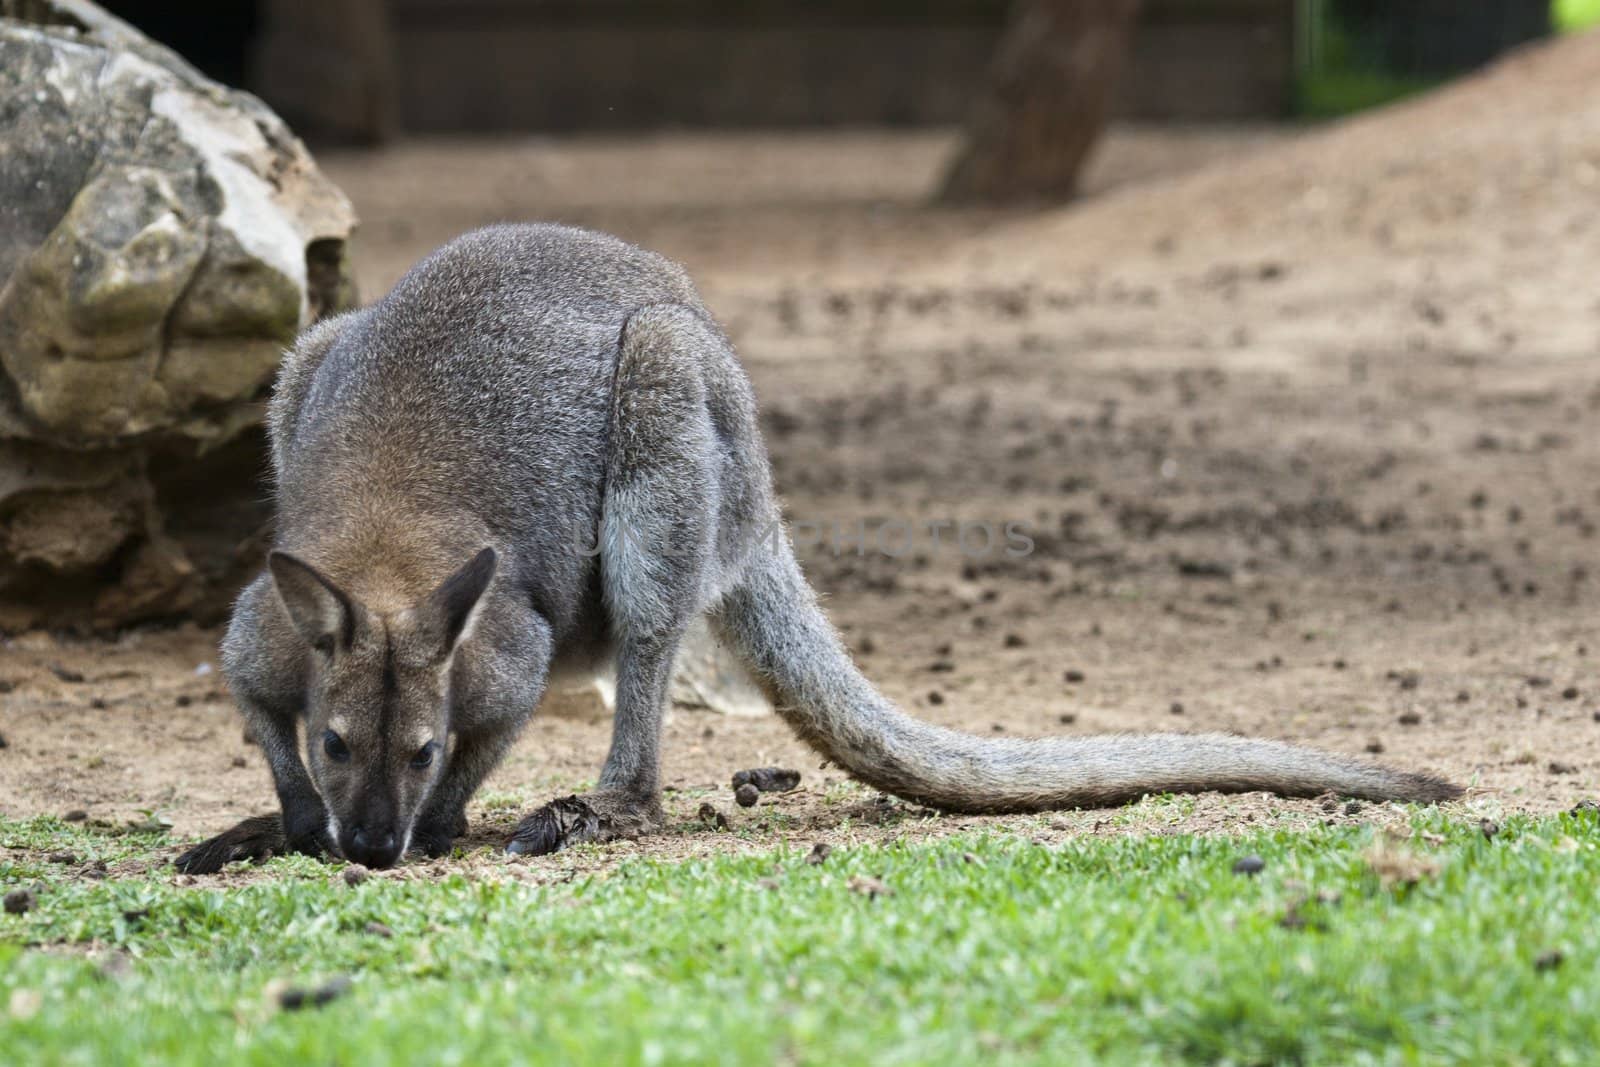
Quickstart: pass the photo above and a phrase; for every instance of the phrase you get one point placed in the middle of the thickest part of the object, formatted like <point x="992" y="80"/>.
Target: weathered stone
<point x="162" y="239"/>
<point x="709" y="675"/>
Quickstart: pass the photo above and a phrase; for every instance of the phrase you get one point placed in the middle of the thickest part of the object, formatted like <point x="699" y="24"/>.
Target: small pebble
<point x="935" y="697"/>
<point x="1489" y="828"/>
<point x="1557" y="767"/>
<point x="75" y="815"/>
<point x="1073" y="677"/>
<point x="355" y="874"/>
<point x="1176" y="708"/>
<point x="1374" y="746"/>
<point x="19" y="901"/>
<point x="1548" y="960"/>
<point x="62" y="857"/>
<point x="293" y="998"/>
<point x="747" y="795"/>
<point x="1570" y="693"/>
<point x="819" y="852"/>
<point x="768" y="779"/>
<point x="1249" y="865"/>
<point x="869" y="887"/>
<point x="1409" y="718"/>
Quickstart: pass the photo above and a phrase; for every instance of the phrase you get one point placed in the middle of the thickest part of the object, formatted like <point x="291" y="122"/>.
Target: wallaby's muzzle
<point x="371" y="847"/>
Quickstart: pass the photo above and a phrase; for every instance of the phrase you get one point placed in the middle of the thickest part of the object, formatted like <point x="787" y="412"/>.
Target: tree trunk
<point x="329" y="67"/>
<point x="1050" y="88"/>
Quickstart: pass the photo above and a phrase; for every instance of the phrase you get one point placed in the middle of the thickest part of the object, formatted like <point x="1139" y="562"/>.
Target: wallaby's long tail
<point x="772" y="617"/>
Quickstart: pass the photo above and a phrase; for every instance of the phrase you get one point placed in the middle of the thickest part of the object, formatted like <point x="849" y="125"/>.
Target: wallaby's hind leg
<point x="657" y="529"/>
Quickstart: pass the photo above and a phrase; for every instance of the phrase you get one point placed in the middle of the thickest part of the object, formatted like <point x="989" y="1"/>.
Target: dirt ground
<point x="1327" y="481"/>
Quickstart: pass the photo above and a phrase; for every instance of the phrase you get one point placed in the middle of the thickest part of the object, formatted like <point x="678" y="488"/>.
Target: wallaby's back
<point x="468" y="406"/>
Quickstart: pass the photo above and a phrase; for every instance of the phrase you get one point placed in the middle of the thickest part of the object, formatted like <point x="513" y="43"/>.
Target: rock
<point x="709" y="675"/>
<point x="713" y="818"/>
<point x="768" y="779"/>
<point x="747" y="795"/>
<point x="296" y="998"/>
<point x="162" y="239"/>
<point x="869" y="887"/>
<point x="1250" y="866"/>
<point x="1549" y="959"/>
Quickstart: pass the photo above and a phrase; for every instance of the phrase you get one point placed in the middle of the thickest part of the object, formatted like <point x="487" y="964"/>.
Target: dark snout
<point x="371" y="847"/>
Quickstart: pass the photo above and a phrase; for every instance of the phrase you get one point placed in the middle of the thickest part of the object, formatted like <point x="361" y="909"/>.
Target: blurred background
<point x="373" y="69"/>
<point x="803" y="128"/>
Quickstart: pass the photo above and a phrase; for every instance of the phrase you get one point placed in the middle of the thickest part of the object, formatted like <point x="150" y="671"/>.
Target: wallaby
<point x="446" y="459"/>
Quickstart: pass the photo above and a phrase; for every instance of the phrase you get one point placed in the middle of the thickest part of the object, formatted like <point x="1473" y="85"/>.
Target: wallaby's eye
<point x="335" y="747"/>
<point x="424" y="756"/>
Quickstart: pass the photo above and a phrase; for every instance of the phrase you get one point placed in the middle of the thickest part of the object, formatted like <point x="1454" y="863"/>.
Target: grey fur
<point x="531" y="389"/>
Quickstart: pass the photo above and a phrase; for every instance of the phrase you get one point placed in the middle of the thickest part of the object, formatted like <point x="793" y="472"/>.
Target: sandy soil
<point x="1299" y="432"/>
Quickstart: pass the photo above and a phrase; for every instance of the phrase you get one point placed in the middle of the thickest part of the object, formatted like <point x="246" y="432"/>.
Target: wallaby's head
<point x="378" y="700"/>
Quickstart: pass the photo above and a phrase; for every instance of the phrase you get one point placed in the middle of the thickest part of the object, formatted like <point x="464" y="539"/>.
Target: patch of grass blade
<point x="1120" y="949"/>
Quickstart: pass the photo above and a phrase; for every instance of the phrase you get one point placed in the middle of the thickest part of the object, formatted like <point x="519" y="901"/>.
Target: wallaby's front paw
<point x="435" y="835"/>
<point x="433" y="841"/>
<point x="431" y="845"/>
<point x="575" y="820"/>
<point x="256" y="839"/>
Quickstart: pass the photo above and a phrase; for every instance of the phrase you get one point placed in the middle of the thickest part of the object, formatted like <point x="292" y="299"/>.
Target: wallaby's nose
<point x="371" y="848"/>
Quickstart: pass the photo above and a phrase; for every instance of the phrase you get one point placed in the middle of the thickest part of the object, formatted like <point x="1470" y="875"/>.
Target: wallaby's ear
<point x="447" y="614"/>
<point x="320" y="610"/>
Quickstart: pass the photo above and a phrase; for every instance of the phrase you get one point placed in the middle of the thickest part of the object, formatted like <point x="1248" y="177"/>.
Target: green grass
<point x="1571" y="16"/>
<point x="990" y="948"/>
